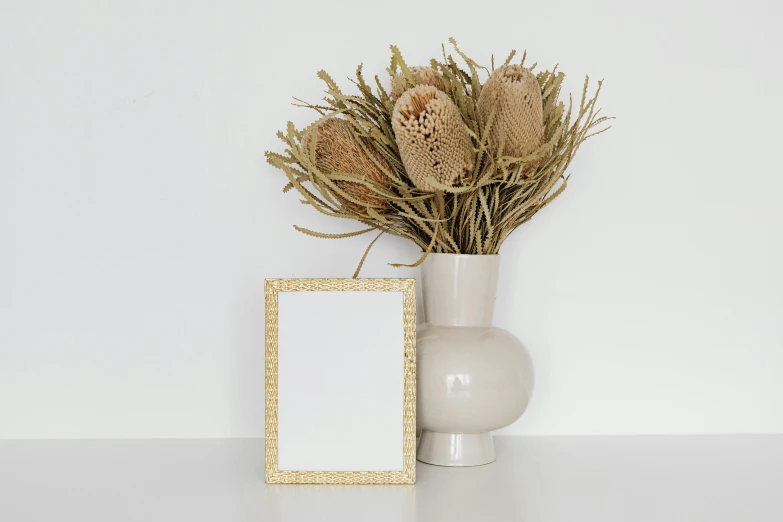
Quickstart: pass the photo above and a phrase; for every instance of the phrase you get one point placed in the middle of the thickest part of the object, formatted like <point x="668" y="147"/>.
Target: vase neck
<point x="459" y="290"/>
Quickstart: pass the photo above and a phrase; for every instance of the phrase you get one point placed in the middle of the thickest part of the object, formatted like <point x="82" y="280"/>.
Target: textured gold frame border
<point x="408" y="473"/>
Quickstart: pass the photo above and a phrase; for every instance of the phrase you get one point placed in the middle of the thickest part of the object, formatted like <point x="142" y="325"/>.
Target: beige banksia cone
<point x="432" y="138"/>
<point x="428" y="75"/>
<point x="515" y="94"/>
<point x="338" y="151"/>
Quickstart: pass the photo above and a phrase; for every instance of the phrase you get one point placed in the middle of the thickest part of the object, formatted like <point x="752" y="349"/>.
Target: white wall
<point x="139" y="218"/>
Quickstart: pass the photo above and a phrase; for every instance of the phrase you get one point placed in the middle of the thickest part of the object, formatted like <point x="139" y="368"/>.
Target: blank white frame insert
<point x="339" y="375"/>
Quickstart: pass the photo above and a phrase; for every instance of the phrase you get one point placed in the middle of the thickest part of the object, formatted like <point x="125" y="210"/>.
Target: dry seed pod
<point x="428" y="75"/>
<point x="432" y="138"/>
<point x="338" y="151"/>
<point x="519" y="117"/>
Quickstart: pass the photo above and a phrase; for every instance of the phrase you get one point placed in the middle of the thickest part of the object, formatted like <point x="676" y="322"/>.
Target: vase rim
<point x="460" y="289"/>
<point x="462" y="255"/>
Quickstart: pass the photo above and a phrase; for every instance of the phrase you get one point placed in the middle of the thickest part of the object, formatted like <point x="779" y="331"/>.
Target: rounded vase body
<point x="472" y="377"/>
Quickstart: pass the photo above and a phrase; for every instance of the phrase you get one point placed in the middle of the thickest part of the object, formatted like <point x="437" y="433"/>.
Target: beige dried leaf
<point x="432" y="138"/>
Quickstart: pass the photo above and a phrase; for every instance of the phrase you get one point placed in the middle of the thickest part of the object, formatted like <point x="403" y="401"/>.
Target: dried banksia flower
<point x="432" y="138"/>
<point x="337" y="150"/>
<point x="437" y="143"/>
<point x="428" y="75"/>
<point x="515" y="94"/>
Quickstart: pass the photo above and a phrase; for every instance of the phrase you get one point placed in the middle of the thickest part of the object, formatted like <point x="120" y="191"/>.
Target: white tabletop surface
<point x="573" y="479"/>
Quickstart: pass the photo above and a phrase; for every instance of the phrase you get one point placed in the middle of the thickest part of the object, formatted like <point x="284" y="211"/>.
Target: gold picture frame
<point x="408" y="474"/>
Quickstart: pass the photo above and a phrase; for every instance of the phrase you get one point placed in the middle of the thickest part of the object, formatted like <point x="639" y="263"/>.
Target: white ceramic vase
<point x="472" y="377"/>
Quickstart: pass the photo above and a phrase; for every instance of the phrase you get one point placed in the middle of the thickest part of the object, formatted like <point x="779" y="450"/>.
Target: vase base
<point x="455" y="449"/>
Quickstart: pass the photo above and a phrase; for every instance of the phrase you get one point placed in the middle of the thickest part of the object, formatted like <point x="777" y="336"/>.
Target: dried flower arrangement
<point x="441" y="159"/>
